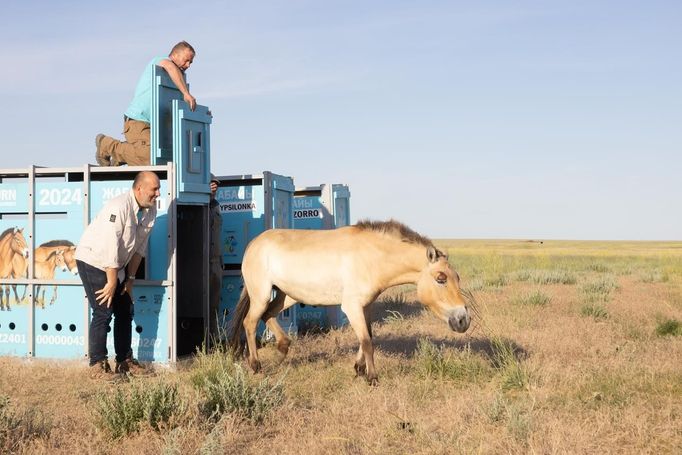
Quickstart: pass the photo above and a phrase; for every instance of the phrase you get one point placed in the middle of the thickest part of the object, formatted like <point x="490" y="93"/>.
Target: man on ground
<point x="108" y="256"/>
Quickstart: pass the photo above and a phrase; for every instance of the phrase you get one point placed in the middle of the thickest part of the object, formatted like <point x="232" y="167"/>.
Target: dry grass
<point x="528" y="377"/>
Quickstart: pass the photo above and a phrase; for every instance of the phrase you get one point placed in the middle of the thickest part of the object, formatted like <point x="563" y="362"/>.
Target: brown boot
<point x="101" y="370"/>
<point x="133" y="367"/>
<point x="100" y="157"/>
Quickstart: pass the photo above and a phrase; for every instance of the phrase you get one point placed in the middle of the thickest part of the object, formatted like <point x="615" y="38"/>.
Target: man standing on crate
<point x="215" y="264"/>
<point x="107" y="256"/>
<point x="136" y="150"/>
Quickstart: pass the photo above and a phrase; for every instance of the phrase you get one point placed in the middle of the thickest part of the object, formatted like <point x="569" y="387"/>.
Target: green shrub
<point x="557" y="276"/>
<point x="505" y="359"/>
<point x="228" y="390"/>
<point x="432" y="361"/>
<point x="122" y="412"/>
<point x="496" y="281"/>
<point x="534" y="298"/>
<point x="594" y="311"/>
<point x="598" y="267"/>
<point x="599" y="290"/>
<point x="654" y="276"/>
<point x="669" y="327"/>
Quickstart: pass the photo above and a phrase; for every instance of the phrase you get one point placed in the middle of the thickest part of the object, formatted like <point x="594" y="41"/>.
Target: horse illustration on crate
<point x="12" y="245"/>
<point x="48" y="258"/>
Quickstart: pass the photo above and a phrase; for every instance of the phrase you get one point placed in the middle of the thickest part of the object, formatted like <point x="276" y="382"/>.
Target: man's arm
<point x="179" y="80"/>
<point x="131" y="270"/>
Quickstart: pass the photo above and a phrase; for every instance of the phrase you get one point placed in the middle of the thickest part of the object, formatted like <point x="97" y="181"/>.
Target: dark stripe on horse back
<point x="396" y="229"/>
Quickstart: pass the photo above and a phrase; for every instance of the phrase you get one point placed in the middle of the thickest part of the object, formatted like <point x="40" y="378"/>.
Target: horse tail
<point x="237" y="326"/>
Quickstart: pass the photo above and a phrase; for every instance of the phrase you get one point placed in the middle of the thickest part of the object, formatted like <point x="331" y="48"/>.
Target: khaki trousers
<point x="133" y="152"/>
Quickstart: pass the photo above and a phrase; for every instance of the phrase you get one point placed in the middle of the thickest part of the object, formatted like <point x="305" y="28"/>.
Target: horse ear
<point x="432" y="254"/>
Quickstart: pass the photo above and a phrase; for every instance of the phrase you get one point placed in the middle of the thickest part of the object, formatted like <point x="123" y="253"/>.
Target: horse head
<point x="438" y="289"/>
<point x="70" y="260"/>
<point x="59" y="262"/>
<point x="18" y="243"/>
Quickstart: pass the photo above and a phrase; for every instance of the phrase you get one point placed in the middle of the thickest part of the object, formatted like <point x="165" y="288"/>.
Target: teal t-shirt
<point x="140" y="106"/>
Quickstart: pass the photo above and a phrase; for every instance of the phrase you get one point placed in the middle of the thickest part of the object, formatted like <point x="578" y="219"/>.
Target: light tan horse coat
<point x="12" y="245"/>
<point x="350" y="265"/>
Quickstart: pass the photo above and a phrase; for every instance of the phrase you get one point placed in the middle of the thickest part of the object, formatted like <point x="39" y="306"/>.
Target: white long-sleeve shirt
<point x="115" y="234"/>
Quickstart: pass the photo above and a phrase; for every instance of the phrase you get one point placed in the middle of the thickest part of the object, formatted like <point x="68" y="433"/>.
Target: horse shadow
<point x="391" y="307"/>
<point x="488" y="347"/>
<point x="408" y="346"/>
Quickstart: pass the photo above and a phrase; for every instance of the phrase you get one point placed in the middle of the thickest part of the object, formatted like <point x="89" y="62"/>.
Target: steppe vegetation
<point x="575" y="347"/>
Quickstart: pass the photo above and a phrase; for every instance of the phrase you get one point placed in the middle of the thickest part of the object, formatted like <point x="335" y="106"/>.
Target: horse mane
<point x="6" y="232"/>
<point x="58" y="243"/>
<point x="395" y="229"/>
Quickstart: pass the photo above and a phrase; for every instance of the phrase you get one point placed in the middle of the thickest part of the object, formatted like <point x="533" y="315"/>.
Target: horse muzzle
<point x="459" y="320"/>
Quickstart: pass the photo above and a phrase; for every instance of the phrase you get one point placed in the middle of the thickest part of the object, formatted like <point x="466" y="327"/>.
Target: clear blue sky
<point x="486" y="119"/>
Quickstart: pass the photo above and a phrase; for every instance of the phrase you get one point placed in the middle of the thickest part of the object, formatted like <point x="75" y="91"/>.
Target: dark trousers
<point x="121" y="309"/>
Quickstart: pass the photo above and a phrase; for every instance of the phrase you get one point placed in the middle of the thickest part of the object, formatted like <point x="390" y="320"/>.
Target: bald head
<point x="146" y="188"/>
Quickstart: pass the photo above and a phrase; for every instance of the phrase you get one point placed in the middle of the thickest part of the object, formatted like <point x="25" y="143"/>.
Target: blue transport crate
<point x="180" y="135"/>
<point x="251" y="204"/>
<point x="43" y="309"/>
<point x="320" y="207"/>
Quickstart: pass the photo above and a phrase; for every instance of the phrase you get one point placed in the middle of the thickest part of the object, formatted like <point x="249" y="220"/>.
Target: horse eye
<point x="441" y="278"/>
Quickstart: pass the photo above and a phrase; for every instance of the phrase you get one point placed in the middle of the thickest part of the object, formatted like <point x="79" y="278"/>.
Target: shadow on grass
<point x="387" y="308"/>
<point x="406" y="346"/>
<point x="488" y="347"/>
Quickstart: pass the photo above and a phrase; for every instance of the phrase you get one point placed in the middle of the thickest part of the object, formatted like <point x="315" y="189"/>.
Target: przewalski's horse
<point x="48" y="257"/>
<point x="12" y="243"/>
<point x="351" y="265"/>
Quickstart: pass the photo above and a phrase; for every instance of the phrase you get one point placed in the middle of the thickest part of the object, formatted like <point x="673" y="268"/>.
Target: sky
<point x="486" y="119"/>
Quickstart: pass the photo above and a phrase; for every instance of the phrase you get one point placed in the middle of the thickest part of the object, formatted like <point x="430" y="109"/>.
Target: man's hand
<point x="106" y="294"/>
<point x="189" y="99"/>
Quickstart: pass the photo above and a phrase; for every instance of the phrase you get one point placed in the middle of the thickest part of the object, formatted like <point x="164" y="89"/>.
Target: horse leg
<point x="7" y="297"/>
<point x="257" y="307"/>
<point x="37" y="297"/>
<point x="270" y="318"/>
<point x="54" y="295"/>
<point x="2" y="297"/>
<point x="360" y="364"/>
<point x="364" y="362"/>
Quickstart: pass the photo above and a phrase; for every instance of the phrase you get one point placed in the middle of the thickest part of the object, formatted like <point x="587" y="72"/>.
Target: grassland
<point x="576" y="347"/>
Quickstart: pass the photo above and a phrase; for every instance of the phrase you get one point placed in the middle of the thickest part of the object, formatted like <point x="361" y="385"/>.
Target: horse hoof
<point x="373" y="382"/>
<point x="283" y="347"/>
<point x="360" y="370"/>
<point x="255" y="365"/>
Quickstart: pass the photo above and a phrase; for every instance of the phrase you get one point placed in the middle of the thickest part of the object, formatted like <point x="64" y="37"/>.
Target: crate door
<point x="191" y="152"/>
